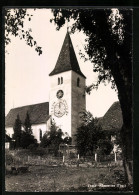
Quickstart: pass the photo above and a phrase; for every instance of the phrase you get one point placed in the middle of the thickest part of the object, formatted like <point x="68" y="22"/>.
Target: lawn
<point x="64" y="179"/>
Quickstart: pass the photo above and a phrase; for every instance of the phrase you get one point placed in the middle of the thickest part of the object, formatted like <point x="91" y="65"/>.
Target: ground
<point x="64" y="179"/>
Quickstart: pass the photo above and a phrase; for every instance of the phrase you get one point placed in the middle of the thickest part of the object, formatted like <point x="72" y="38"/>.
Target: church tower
<point x="67" y="90"/>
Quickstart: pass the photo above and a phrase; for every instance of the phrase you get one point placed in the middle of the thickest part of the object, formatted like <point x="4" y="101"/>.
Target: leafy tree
<point x="52" y="138"/>
<point x="67" y="140"/>
<point x="105" y="146"/>
<point x="90" y="137"/>
<point x="109" y="47"/>
<point x="27" y="138"/>
<point x="27" y="124"/>
<point x="14" y="25"/>
<point x="45" y="141"/>
<point x="17" y="132"/>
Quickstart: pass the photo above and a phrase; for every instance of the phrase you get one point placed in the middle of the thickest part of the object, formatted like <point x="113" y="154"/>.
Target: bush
<point x="33" y="146"/>
<point x="8" y="158"/>
<point x="39" y="151"/>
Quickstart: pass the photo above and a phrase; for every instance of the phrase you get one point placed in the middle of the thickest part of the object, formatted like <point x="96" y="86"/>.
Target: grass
<point x="59" y="179"/>
<point x="45" y="177"/>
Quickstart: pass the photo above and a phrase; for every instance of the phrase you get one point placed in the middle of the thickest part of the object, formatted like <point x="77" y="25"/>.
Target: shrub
<point x="39" y="151"/>
<point x="8" y="158"/>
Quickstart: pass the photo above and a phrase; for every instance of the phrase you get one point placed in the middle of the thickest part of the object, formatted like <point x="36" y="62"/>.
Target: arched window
<point x="40" y="134"/>
<point x="78" y="82"/>
<point x="61" y="80"/>
<point x="58" y="81"/>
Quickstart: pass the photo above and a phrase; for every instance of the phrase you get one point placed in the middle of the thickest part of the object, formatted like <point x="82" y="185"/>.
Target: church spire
<point x="67" y="59"/>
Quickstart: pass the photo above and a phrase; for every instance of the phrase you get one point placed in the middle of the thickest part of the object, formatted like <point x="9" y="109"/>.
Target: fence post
<point x="78" y="161"/>
<point x="63" y="159"/>
<point x="95" y="157"/>
<point x="115" y="156"/>
<point x="78" y="156"/>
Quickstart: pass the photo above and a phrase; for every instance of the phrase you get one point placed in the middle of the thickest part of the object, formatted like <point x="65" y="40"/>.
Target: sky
<point x="26" y="73"/>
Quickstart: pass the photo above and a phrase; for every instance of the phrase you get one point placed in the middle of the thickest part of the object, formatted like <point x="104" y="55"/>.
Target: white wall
<point x="35" y="130"/>
<point x="63" y="122"/>
<point x="9" y="131"/>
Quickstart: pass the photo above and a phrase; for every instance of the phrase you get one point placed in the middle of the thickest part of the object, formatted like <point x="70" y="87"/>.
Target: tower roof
<point x="67" y="59"/>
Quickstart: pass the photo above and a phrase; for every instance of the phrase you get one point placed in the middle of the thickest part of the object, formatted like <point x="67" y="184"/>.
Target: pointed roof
<point x="67" y="59"/>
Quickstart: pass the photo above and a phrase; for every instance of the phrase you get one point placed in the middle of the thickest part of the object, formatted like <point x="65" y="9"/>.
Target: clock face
<point x="60" y="94"/>
<point x="59" y="109"/>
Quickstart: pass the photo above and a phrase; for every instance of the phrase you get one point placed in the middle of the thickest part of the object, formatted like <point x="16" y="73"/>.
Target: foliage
<point x="109" y="48"/>
<point x="105" y="146"/>
<point x="90" y="137"/>
<point x="27" y="140"/>
<point x="52" y="139"/>
<point x="26" y="137"/>
<point x="8" y="157"/>
<point x="107" y="34"/>
<point x="14" y="25"/>
<point x="44" y="141"/>
<point x="27" y="124"/>
<point x="17" y="132"/>
<point x="67" y="140"/>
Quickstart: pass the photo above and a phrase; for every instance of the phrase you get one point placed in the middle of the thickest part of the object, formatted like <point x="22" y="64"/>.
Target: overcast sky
<point x="27" y="80"/>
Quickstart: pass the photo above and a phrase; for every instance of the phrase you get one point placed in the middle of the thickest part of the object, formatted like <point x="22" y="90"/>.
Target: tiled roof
<point x="112" y="120"/>
<point x="39" y="113"/>
<point x="67" y="59"/>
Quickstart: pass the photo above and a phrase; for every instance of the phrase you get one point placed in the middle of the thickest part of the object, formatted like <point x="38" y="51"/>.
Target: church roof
<point x="67" y="59"/>
<point x="39" y="113"/>
<point x="112" y="119"/>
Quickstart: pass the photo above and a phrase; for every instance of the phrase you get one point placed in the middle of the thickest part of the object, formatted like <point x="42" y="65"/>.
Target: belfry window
<point x="78" y="82"/>
<point x="61" y="80"/>
<point x="58" y="81"/>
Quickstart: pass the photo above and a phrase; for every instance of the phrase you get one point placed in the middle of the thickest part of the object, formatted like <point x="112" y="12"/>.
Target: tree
<point x="27" y="124"/>
<point x="17" y="132"/>
<point x="27" y="138"/>
<point x="105" y="146"/>
<point x="109" y="47"/>
<point x="67" y="140"/>
<point x="14" y="25"/>
<point x="52" y="139"/>
<point x="90" y="137"/>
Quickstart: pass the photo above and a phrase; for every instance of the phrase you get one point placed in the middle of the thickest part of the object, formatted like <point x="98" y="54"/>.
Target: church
<point x="67" y="99"/>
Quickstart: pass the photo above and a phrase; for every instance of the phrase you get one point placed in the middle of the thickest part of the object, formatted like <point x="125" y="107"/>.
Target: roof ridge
<point x="29" y="105"/>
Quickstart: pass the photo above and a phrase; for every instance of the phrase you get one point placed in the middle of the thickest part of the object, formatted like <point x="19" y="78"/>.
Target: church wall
<point x="63" y="122"/>
<point x="78" y="102"/>
<point x="36" y="130"/>
<point x="9" y="131"/>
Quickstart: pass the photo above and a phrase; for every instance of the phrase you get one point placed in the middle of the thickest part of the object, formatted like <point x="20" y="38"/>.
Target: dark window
<point x="58" y="81"/>
<point x="40" y="134"/>
<point x="61" y="80"/>
<point x="78" y="82"/>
